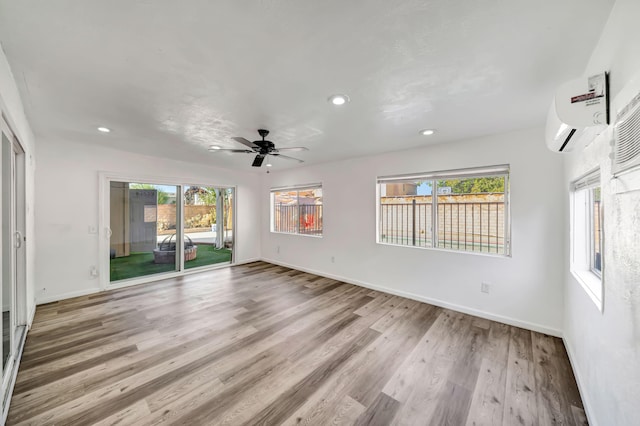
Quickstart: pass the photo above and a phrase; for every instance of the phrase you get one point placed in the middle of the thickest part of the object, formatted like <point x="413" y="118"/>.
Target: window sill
<point x="297" y="234"/>
<point x="475" y="253"/>
<point x="590" y="282"/>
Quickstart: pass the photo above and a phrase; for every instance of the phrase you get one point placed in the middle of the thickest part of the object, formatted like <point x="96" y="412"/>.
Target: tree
<point x="209" y="196"/>
<point x="163" y="197"/>
<point x="195" y="194"/>
<point x="474" y="185"/>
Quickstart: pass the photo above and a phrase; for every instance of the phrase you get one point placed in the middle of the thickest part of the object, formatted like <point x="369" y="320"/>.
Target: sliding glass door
<point x="143" y="221"/>
<point x="12" y="249"/>
<point x="159" y="228"/>
<point x="208" y="225"/>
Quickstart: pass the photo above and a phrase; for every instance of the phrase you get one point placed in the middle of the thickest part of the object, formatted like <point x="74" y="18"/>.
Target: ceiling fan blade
<point x="287" y="157"/>
<point x="243" y="141"/>
<point x="248" y="151"/>
<point x="257" y="162"/>
<point x="292" y="149"/>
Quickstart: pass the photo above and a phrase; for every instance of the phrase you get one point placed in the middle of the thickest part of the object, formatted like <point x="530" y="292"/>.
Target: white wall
<point x="526" y="289"/>
<point x="68" y="203"/>
<point x="605" y="347"/>
<point x="13" y="110"/>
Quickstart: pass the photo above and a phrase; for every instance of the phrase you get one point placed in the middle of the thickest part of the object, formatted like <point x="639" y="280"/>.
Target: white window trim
<point x="501" y="169"/>
<point x="297" y="188"/>
<point x="580" y="238"/>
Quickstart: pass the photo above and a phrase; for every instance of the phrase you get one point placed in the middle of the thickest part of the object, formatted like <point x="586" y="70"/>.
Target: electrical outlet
<point x="93" y="271"/>
<point x="333" y="259"/>
<point x="485" y="287"/>
<point x="93" y="229"/>
<point x="278" y="249"/>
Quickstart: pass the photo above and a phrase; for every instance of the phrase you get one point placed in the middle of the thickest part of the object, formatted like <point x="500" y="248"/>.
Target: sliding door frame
<point x="104" y="223"/>
<point x="18" y="303"/>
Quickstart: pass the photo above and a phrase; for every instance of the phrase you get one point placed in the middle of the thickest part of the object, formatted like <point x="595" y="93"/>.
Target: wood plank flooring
<point x="263" y="344"/>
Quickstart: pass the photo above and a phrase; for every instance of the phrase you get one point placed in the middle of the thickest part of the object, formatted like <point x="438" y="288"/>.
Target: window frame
<point x="104" y="221"/>
<point x="592" y="231"/>
<point x="465" y="173"/>
<point x="297" y="189"/>
<point x="582" y="236"/>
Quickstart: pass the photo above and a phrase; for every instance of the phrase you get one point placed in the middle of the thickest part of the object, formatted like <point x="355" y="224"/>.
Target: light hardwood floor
<point x="263" y="344"/>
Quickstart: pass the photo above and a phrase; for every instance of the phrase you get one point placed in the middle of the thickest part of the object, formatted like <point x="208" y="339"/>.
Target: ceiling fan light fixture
<point x="427" y="132"/>
<point x="104" y="129"/>
<point x="339" y="99"/>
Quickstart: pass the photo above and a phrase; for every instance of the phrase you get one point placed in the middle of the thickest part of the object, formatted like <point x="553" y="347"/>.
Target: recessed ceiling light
<point x="104" y="129"/>
<point x="339" y="99"/>
<point x="214" y="147"/>
<point x="427" y="132"/>
<point x="268" y="164"/>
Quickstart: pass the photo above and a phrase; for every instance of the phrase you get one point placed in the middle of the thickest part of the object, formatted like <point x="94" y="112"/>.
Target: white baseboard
<point x="245" y="261"/>
<point x="31" y="315"/>
<point x="443" y="304"/>
<point x="584" y="395"/>
<point x="68" y="295"/>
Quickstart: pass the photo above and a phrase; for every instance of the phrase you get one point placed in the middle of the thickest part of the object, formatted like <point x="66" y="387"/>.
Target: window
<point x="595" y="223"/>
<point x="297" y="210"/>
<point x="462" y="210"/>
<point x="586" y="235"/>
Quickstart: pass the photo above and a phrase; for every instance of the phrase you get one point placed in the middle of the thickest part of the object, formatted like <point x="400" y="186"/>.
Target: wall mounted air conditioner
<point x="579" y="112"/>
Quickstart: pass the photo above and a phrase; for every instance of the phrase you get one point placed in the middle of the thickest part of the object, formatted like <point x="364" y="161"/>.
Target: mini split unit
<point x="578" y="113"/>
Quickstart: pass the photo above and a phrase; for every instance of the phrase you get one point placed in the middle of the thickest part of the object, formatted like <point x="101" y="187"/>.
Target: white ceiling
<point x="173" y="77"/>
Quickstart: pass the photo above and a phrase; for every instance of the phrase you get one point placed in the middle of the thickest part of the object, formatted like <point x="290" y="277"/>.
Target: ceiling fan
<point x="262" y="149"/>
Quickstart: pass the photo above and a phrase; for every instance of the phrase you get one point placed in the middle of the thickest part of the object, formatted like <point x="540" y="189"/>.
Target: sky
<point x="169" y="189"/>
<point x="424" y="188"/>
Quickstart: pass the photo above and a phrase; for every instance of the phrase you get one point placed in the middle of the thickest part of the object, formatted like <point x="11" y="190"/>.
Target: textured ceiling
<point x="172" y="78"/>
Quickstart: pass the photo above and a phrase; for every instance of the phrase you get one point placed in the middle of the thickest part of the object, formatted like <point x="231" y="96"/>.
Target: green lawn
<point x="141" y="264"/>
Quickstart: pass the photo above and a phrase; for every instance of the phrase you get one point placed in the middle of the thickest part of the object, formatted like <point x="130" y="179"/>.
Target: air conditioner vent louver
<point x="626" y="135"/>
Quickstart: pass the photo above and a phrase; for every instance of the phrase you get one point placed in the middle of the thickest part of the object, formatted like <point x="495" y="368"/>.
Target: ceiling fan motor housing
<point x="266" y="147"/>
